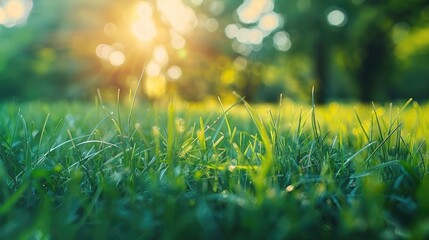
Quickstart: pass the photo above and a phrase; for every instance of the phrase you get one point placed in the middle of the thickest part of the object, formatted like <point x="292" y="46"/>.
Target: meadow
<point x="170" y="170"/>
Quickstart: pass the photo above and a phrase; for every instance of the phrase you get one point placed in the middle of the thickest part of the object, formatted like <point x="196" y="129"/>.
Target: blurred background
<point x="350" y="50"/>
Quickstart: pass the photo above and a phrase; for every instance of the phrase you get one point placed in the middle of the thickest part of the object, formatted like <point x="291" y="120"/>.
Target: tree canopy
<point x="355" y="49"/>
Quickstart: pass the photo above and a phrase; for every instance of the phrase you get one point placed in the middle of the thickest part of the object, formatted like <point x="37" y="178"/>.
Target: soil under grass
<point x="142" y="171"/>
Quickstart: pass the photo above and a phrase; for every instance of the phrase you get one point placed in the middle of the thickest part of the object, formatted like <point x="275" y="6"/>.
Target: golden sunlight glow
<point x="269" y="22"/>
<point x="177" y="41"/>
<point x="103" y="51"/>
<point x="15" y="9"/>
<point x="250" y="11"/>
<point x="255" y="36"/>
<point x="117" y="58"/>
<point x="144" y="29"/>
<point x="112" y="54"/>
<point x="144" y="9"/>
<point x="155" y="87"/>
<point x="211" y="25"/>
<point x="110" y="29"/>
<point x="160" y="55"/>
<point x="153" y="69"/>
<point x="260" y="15"/>
<point x="174" y="72"/>
<point x="15" y="12"/>
<point x="3" y="16"/>
<point x="179" y="16"/>
<point x="167" y="30"/>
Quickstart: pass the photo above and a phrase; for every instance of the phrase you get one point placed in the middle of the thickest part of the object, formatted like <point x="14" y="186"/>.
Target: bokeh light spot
<point x="110" y="29"/>
<point x="282" y="41"/>
<point x="15" y="12"/>
<point x="153" y="69"/>
<point x="269" y="22"/>
<point x="216" y="7"/>
<point x="241" y="48"/>
<point x="243" y="35"/>
<point x="177" y="41"/>
<point x="240" y="63"/>
<point x="197" y="2"/>
<point x="144" y="10"/>
<point x="211" y="25"/>
<point x="251" y="10"/>
<point x="103" y="51"/>
<point x="117" y="58"/>
<point x="174" y="72"/>
<point x="15" y="9"/>
<point x="336" y="18"/>
<point x="231" y="30"/>
<point x="3" y="16"/>
<point x="160" y="55"/>
<point x="179" y="16"/>
<point x="255" y="36"/>
<point x="144" y="29"/>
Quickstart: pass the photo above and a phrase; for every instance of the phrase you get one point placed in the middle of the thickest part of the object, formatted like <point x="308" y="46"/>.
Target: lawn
<point x="136" y="170"/>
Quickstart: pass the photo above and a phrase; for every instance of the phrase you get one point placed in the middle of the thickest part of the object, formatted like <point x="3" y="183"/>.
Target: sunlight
<point x="174" y="72"/>
<point x="179" y="16"/>
<point x="117" y="58"/>
<point x="231" y="30"/>
<point x="3" y="16"/>
<point x="216" y="7"/>
<point x="177" y="41"/>
<point x="15" y="12"/>
<point x="211" y="25"/>
<point x="153" y="69"/>
<point x="144" y="29"/>
<point x="261" y="19"/>
<point x="110" y="29"/>
<point x="160" y="55"/>
<point x="164" y="25"/>
<point x="144" y="9"/>
<point x="251" y="10"/>
<point x="15" y="9"/>
<point x="155" y="87"/>
<point x="269" y="22"/>
<point x="111" y="54"/>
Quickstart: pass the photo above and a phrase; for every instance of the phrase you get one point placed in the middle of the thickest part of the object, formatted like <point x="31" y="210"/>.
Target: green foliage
<point x="378" y="53"/>
<point x="177" y="170"/>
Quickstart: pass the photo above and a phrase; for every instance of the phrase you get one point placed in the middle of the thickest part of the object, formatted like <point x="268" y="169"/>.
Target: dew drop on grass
<point x="34" y="133"/>
<point x="225" y="193"/>
<point x="233" y="165"/>
<point x="290" y="188"/>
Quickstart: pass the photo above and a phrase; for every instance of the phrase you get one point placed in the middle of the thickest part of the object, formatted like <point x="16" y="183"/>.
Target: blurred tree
<point x="360" y="30"/>
<point x="34" y="62"/>
<point x="373" y="44"/>
<point x="347" y="48"/>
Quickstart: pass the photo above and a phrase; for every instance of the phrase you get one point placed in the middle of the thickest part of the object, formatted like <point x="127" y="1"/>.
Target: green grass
<point x="236" y="171"/>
